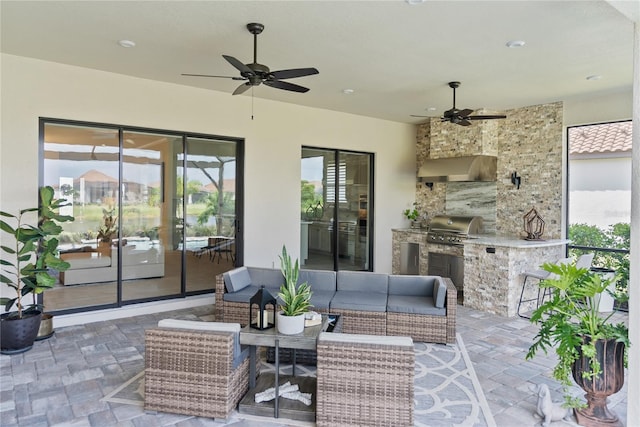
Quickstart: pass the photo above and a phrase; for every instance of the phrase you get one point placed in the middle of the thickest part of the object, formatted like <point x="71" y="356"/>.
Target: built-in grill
<point x="452" y="230"/>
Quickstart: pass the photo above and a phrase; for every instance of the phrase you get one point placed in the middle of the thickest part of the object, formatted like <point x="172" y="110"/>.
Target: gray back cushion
<point x="319" y="280"/>
<point x="362" y="281"/>
<point x="237" y="279"/>
<point x="439" y="292"/>
<point x="421" y="286"/>
<point x="271" y="278"/>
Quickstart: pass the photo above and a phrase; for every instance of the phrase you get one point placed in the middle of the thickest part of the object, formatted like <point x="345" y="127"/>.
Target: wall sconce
<point x="429" y="185"/>
<point x="265" y="316"/>
<point x="516" y="180"/>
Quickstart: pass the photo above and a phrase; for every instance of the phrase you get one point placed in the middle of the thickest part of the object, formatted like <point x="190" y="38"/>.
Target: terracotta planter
<point x="290" y="325"/>
<point x="18" y="334"/>
<point x="610" y="355"/>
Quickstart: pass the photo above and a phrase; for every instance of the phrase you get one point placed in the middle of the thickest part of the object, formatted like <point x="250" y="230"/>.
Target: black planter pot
<point x="610" y="355"/>
<point x="18" y="334"/>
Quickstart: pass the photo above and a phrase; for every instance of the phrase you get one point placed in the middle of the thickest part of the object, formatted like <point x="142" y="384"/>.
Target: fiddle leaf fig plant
<point x="296" y="299"/>
<point x="34" y="250"/>
<point x="570" y="315"/>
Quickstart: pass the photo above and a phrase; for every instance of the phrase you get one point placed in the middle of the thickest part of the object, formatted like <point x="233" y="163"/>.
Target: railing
<point x="620" y="263"/>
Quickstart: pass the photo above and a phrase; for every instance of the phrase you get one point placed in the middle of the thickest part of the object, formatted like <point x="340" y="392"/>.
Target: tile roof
<point x="603" y="138"/>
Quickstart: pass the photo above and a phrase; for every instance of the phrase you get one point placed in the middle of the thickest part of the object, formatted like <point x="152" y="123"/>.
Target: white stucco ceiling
<point x="397" y="57"/>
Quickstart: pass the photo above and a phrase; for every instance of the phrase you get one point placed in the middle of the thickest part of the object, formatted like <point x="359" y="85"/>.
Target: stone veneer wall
<point x="419" y="237"/>
<point x="530" y="143"/>
<point x="493" y="281"/>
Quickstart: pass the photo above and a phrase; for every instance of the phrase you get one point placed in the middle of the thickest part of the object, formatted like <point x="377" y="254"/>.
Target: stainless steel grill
<point x="452" y="230"/>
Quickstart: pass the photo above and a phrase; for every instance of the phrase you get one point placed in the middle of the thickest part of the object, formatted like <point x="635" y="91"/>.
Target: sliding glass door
<point x="335" y="210"/>
<point x="155" y="212"/>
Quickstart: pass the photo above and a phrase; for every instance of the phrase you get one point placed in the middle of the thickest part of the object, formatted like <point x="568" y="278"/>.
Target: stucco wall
<point x="33" y="88"/>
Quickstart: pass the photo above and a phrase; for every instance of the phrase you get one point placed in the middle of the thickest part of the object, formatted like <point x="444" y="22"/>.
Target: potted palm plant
<point x="25" y="268"/>
<point x="295" y="299"/>
<point x="591" y="349"/>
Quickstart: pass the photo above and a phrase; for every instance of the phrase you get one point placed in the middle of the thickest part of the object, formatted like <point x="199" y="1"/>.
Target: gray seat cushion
<point x="237" y="279"/>
<point x="354" y="300"/>
<point x="271" y="278"/>
<point x="321" y="300"/>
<point x="412" y="304"/>
<point x="362" y="281"/>
<point x="244" y="295"/>
<point x="411" y="285"/>
<point x="319" y="280"/>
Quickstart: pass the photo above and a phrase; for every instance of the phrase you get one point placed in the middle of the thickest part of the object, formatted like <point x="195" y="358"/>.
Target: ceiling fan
<point x="254" y="73"/>
<point x="462" y="117"/>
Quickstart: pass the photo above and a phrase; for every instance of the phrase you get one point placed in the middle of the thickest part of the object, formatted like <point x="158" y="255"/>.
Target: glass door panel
<point x="316" y="209"/>
<point x="353" y="213"/>
<point x="151" y="263"/>
<point x="210" y="206"/>
<point x="82" y="164"/>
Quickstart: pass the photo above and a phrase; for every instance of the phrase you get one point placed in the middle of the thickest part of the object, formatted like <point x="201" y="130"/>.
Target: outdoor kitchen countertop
<point x="512" y="241"/>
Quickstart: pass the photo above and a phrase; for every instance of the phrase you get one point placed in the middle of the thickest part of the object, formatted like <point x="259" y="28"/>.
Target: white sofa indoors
<point x="93" y="267"/>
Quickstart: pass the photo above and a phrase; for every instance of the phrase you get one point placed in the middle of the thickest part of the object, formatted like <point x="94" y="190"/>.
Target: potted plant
<point x="590" y="348"/>
<point x="107" y="231"/>
<point x="25" y="269"/>
<point x="295" y="299"/>
<point x="413" y="215"/>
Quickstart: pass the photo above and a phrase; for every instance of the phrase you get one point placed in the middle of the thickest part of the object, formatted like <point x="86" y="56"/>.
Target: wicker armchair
<point x="364" y="380"/>
<point x="192" y="372"/>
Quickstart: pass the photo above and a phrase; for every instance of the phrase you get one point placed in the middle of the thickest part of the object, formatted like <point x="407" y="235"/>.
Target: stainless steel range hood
<point x="468" y="168"/>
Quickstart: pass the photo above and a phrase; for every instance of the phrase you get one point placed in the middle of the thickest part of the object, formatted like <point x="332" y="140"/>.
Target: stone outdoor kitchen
<point x="528" y="143"/>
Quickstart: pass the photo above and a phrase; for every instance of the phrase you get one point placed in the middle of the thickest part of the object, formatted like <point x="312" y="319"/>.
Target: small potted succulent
<point x="294" y="299"/>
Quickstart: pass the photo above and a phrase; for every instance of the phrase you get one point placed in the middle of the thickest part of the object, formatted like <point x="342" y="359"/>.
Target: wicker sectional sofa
<point x="422" y="307"/>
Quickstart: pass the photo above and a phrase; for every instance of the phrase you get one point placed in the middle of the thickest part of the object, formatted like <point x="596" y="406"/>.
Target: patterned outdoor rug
<point x="447" y="391"/>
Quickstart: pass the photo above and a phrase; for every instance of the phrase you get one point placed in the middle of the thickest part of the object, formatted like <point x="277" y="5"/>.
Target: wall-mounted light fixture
<point x="429" y="185"/>
<point x="516" y="180"/>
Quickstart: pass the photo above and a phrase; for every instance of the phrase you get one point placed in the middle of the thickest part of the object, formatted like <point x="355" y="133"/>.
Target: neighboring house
<point x="600" y="174"/>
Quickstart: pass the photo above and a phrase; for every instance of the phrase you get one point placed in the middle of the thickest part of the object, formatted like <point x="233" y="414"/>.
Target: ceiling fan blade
<point x="413" y="115"/>
<point x="463" y="122"/>
<point x="242" y="88"/>
<point x="239" y="65"/>
<point x="286" y="86"/>
<point x="486" y="117"/>
<point x="293" y="73"/>
<point x="465" y="112"/>
<point x="208" y="75"/>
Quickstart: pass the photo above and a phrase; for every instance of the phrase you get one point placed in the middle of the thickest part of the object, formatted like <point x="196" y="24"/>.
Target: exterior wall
<point x="32" y="89"/>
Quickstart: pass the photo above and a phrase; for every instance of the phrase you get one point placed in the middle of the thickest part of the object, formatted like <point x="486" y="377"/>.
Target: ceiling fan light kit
<point x="462" y="117"/>
<point x="255" y="73"/>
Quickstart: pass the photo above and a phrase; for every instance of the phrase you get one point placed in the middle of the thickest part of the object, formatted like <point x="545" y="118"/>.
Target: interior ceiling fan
<point x="254" y="73"/>
<point x="462" y="117"/>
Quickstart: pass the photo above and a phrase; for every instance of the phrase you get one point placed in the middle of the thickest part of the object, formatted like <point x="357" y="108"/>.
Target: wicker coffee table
<point x="271" y="338"/>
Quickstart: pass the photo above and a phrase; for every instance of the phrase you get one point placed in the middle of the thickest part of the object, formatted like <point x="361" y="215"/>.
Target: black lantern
<point x="265" y="317"/>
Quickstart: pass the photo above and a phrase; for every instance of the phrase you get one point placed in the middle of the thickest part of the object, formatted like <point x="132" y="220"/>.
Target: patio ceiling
<point x="397" y="57"/>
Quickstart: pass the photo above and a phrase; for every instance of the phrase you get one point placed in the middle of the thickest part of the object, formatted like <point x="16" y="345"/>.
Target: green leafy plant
<point x="296" y="299"/>
<point x="108" y="229"/>
<point x="568" y="317"/>
<point x="32" y="243"/>
<point x="412" y="214"/>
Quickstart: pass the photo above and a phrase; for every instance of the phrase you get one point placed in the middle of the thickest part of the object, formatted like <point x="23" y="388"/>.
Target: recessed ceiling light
<point x="126" y="43"/>
<point x="431" y="109"/>
<point x="348" y="91"/>
<point x="412" y="2"/>
<point x="594" y="77"/>
<point x="515" y="43"/>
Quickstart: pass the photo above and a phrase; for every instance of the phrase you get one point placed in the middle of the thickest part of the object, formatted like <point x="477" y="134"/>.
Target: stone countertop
<point x="411" y="230"/>
<point x="512" y="241"/>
